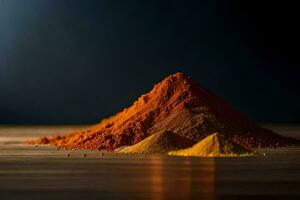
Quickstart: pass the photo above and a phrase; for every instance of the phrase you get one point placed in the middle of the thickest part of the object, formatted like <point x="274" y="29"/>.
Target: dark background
<point x="68" y="61"/>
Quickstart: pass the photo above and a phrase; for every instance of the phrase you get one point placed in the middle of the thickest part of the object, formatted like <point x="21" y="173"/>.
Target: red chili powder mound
<point x="176" y="104"/>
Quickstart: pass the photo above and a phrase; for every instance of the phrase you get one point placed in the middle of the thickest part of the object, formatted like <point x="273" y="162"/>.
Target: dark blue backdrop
<point x="64" y="61"/>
